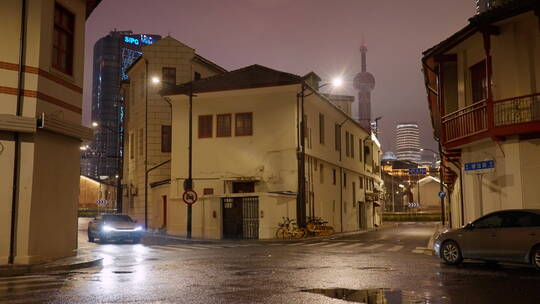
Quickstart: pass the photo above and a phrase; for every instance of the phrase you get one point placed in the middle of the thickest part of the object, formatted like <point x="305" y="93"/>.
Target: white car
<point x="120" y="227"/>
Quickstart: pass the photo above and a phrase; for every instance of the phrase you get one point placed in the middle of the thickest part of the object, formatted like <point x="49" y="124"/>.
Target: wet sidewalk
<point x="83" y="259"/>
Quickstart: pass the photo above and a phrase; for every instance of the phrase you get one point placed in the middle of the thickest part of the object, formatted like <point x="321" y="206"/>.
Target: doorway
<point x="240" y="217"/>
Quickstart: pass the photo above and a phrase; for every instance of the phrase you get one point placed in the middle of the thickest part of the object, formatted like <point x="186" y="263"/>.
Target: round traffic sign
<point x="189" y="197"/>
<point x="442" y="194"/>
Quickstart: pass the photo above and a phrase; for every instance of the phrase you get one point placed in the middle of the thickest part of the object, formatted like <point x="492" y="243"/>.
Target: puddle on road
<point x="375" y="268"/>
<point x="372" y="296"/>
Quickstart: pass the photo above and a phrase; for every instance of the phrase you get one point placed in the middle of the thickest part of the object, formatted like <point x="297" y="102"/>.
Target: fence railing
<point x="516" y="110"/>
<point x="465" y="122"/>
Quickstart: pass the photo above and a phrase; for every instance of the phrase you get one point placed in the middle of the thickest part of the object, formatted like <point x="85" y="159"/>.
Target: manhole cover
<point x="372" y="296"/>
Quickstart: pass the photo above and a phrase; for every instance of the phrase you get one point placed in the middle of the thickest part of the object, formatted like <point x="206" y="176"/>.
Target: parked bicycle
<point x="289" y="229"/>
<point x="317" y="227"/>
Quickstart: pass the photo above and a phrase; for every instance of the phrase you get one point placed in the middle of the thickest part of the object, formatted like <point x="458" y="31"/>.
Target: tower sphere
<point x="364" y="81"/>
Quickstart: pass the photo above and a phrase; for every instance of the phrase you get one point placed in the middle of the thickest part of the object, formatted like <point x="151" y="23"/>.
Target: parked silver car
<point x="114" y="227"/>
<point x="506" y="236"/>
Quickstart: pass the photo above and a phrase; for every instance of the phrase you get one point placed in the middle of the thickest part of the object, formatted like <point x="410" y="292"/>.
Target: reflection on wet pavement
<point x="373" y="296"/>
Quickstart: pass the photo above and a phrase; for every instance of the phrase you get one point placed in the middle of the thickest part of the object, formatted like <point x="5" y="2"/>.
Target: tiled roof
<point x="253" y="76"/>
<point x="496" y="14"/>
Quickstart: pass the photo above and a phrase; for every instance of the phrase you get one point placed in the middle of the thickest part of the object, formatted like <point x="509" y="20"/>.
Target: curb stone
<point x="18" y="270"/>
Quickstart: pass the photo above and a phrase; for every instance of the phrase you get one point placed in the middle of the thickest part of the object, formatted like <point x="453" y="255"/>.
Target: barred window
<point x="244" y="124"/>
<point x="205" y="126"/>
<point x="224" y="125"/>
<point x="166" y="138"/>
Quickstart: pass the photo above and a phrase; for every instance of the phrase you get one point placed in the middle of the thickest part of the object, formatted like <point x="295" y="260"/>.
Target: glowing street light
<point x="337" y="82"/>
<point x="94" y="124"/>
<point x="155" y="80"/>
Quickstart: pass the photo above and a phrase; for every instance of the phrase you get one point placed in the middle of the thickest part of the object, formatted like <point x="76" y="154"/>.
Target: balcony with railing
<point x="511" y="116"/>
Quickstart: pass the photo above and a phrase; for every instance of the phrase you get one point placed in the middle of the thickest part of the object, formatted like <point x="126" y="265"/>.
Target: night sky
<point x="300" y="36"/>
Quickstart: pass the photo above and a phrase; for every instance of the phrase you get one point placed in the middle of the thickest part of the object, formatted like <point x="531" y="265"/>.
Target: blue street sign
<point x="417" y="171"/>
<point x="442" y="194"/>
<point x="481" y="165"/>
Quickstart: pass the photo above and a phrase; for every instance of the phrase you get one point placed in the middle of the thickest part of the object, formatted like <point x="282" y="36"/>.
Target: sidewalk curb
<point x="333" y="236"/>
<point x="18" y="270"/>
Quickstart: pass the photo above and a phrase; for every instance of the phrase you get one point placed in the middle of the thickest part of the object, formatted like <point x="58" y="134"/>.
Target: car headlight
<point x="107" y="228"/>
<point x="138" y="228"/>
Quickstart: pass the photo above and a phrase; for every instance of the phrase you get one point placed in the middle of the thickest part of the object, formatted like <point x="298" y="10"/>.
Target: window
<point x="131" y="146"/>
<point x="321" y="129"/>
<point x="521" y="219"/>
<point x="244" y="124"/>
<point x="321" y="173"/>
<point x="478" y="81"/>
<point x="64" y="30"/>
<point x="360" y="149"/>
<point x="344" y="180"/>
<point x="141" y="141"/>
<point x="333" y="176"/>
<point x="347" y="143"/>
<point x="142" y="86"/>
<point x="168" y="76"/>
<point x="361" y="182"/>
<point x="352" y="145"/>
<point x="337" y="137"/>
<point x="205" y="126"/>
<point x="196" y="76"/>
<point x="223" y="125"/>
<point x="490" y="221"/>
<point x="166" y="138"/>
<point x="354" y="194"/>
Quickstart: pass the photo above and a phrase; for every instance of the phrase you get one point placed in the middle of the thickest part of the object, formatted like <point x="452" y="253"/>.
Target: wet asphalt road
<point x="172" y="271"/>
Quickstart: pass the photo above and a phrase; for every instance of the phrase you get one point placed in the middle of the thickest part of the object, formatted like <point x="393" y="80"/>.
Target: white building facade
<point x="246" y="151"/>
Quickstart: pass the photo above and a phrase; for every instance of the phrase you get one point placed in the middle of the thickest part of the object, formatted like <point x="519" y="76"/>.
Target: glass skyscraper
<point x="408" y="142"/>
<point x="113" y="54"/>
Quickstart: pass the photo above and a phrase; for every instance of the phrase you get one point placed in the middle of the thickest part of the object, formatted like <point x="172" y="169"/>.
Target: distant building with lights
<point x="485" y="5"/>
<point x="113" y="54"/>
<point x="408" y="142"/>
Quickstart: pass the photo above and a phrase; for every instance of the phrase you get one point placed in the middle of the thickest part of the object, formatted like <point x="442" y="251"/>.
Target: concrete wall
<point x="42" y="200"/>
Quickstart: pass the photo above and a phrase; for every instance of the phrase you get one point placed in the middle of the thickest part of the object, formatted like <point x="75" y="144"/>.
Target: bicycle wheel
<point x="280" y="233"/>
<point x="299" y="233"/>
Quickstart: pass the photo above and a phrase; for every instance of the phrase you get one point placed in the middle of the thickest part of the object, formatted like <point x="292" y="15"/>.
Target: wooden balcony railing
<point x="517" y="110"/>
<point x="509" y="116"/>
<point x="465" y="122"/>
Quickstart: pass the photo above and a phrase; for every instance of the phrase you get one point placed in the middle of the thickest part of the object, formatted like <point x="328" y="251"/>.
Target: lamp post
<point x="441" y="186"/>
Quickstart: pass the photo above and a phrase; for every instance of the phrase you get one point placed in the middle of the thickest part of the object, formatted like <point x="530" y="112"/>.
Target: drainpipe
<point x="146" y="147"/>
<point x="17" y="158"/>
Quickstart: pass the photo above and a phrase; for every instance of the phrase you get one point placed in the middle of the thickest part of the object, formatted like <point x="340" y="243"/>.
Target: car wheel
<point x="535" y="257"/>
<point x="450" y="253"/>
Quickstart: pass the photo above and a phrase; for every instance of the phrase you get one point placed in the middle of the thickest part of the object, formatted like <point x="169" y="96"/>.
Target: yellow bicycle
<point x="316" y="226"/>
<point x="289" y="229"/>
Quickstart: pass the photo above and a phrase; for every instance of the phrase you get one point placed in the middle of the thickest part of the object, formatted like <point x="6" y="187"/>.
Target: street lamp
<point x="441" y="186"/>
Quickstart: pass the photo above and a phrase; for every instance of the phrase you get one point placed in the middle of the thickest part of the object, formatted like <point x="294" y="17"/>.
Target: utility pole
<point x="189" y="182"/>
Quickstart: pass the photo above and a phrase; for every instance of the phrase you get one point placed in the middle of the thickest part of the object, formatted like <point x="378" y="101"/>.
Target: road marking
<point x="314" y="244"/>
<point x="169" y="248"/>
<point x="374" y="246"/>
<point x="295" y="244"/>
<point x="352" y="245"/>
<point x="333" y="244"/>
<point x="418" y="251"/>
<point x="395" y="248"/>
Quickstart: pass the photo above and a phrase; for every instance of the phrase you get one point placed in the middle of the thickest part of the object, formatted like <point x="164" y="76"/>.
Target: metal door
<point x="240" y="217"/>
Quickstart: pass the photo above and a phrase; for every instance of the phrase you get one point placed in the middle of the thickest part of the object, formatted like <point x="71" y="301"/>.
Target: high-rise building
<point x="408" y="142"/>
<point x="364" y="82"/>
<point x="113" y="54"/>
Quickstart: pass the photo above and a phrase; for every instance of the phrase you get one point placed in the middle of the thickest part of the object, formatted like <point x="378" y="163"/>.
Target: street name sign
<point x="417" y="171"/>
<point x="480" y="167"/>
<point x="189" y="197"/>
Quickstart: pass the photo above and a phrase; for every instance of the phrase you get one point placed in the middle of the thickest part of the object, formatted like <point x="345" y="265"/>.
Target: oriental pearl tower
<point x="364" y="82"/>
